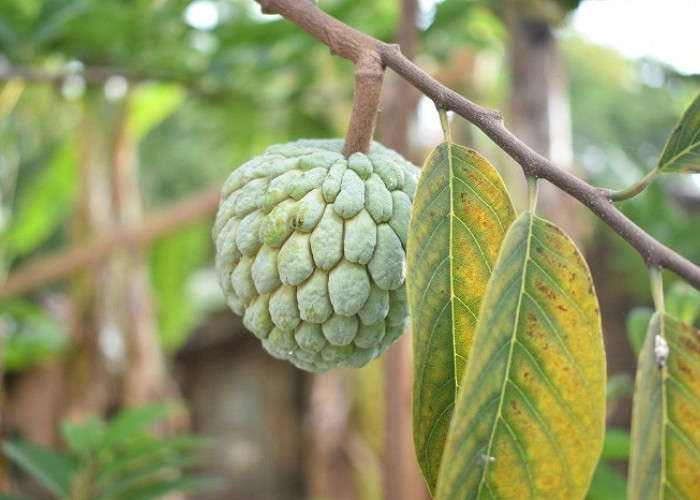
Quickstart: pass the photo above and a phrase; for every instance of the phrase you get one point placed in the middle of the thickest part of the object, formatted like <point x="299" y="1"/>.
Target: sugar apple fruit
<point x="310" y="250"/>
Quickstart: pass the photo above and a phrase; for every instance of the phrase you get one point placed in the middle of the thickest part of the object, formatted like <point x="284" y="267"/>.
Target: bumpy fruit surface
<point x="311" y="250"/>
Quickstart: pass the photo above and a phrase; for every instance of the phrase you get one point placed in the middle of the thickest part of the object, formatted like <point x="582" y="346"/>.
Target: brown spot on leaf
<point x="682" y="367"/>
<point x="689" y="345"/>
<point x="545" y="290"/>
<point x="514" y="406"/>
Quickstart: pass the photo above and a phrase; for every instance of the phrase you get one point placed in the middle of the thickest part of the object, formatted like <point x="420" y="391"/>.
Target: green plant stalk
<point x="657" y="288"/>
<point x="531" y="193"/>
<point x="636" y="188"/>
<point x="445" y="124"/>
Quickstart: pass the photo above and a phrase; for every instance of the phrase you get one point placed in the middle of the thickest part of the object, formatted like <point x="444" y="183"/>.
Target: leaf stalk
<point x="532" y="193"/>
<point x="636" y="188"/>
<point x="657" y="288"/>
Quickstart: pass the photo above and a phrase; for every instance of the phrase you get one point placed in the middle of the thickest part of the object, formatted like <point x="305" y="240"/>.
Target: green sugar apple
<point x="310" y="250"/>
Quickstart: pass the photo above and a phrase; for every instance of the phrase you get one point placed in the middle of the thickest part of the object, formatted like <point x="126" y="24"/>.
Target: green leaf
<point x="128" y="423"/>
<point x="151" y="473"/>
<point x="637" y="322"/>
<point x="682" y="151"/>
<point x="530" y="417"/>
<point x="44" y="204"/>
<point x="53" y="470"/>
<point x="152" y="104"/>
<point x="606" y="484"/>
<point x="461" y="213"/>
<point x="173" y="261"/>
<point x="665" y="456"/>
<point x="83" y="437"/>
<point x="616" y="445"/>
<point x="31" y="335"/>
<point x="683" y="302"/>
<point x="157" y="490"/>
<point x="147" y="451"/>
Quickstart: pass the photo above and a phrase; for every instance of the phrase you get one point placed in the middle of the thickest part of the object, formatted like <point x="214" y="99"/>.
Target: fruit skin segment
<point x="310" y="250"/>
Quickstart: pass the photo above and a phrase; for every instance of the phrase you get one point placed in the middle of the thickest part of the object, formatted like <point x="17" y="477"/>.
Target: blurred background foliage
<point x="191" y="89"/>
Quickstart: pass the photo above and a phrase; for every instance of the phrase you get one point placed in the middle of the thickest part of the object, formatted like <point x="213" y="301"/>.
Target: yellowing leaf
<point x="682" y="151"/>
<point x="665" y="457"/>
<point x="460" y="215"/>
<point x="530" y="418"/>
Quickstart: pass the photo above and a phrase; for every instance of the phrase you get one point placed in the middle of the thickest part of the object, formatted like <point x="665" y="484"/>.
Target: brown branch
<point x="369" y="77"/>
<point x="93" y="75"/>
<point x="99" y="75"/>
<point x="164" y="222"/>
<point x="349" y="43"/>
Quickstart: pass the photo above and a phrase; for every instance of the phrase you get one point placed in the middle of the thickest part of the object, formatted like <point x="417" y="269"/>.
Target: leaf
<point x="682" y="151"/>
<point x="128" y="423"/>
<point x="44" y="204"/>
<point x="146" y="451"/>
<point x="606" y="484"/>
<point x="53" y="470"/>
<point x="616" y="445"/>
<point x="173" y="262"/>
<point x="530" y="418"/>
<point x="31" y="336"/>
<point x="151" y="473"/>
<point x="82" y="437"/>
<point x="157" y="490"/>
<point x="637" y="322"/>
<point x="152" y="104"/>
<point x="683" y="302"/>
<point x="665" y="456"/>
<point x="461" y="212"/>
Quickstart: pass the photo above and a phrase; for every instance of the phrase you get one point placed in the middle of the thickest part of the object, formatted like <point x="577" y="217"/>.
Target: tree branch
<point x="351" y="44"/>
<point x="166" y="221"/>
<point x="93" y="75"/>
<point x="99" y="75"/>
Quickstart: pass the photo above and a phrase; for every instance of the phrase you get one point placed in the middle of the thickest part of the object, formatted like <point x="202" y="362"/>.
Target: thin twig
<point x="93" y="75"/>
<point x="165" y="221"/>
<point x="351" y="44"/>
<point x="99" y="75"/>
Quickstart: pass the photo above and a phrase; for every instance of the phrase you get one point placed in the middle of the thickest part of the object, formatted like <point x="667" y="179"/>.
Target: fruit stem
<point x="369" y="78"/>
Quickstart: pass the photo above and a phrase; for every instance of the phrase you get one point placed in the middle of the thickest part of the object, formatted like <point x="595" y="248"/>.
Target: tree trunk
<point x="539" y="111"/>
<point x="402" y="477"/>
<point x="90" y="387"/>
<point x="540" y="116"/>
<point x="143" y="377"/>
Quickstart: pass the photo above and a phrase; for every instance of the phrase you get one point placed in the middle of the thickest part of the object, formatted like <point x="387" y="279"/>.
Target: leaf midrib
<point x="664" y="408"/>
<point x="677" y="155"/>
<point x="682" y="125"/>
<point x="453" y="216"/>
<point x="667" y="423"/>
<point x="499" y="411"/>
